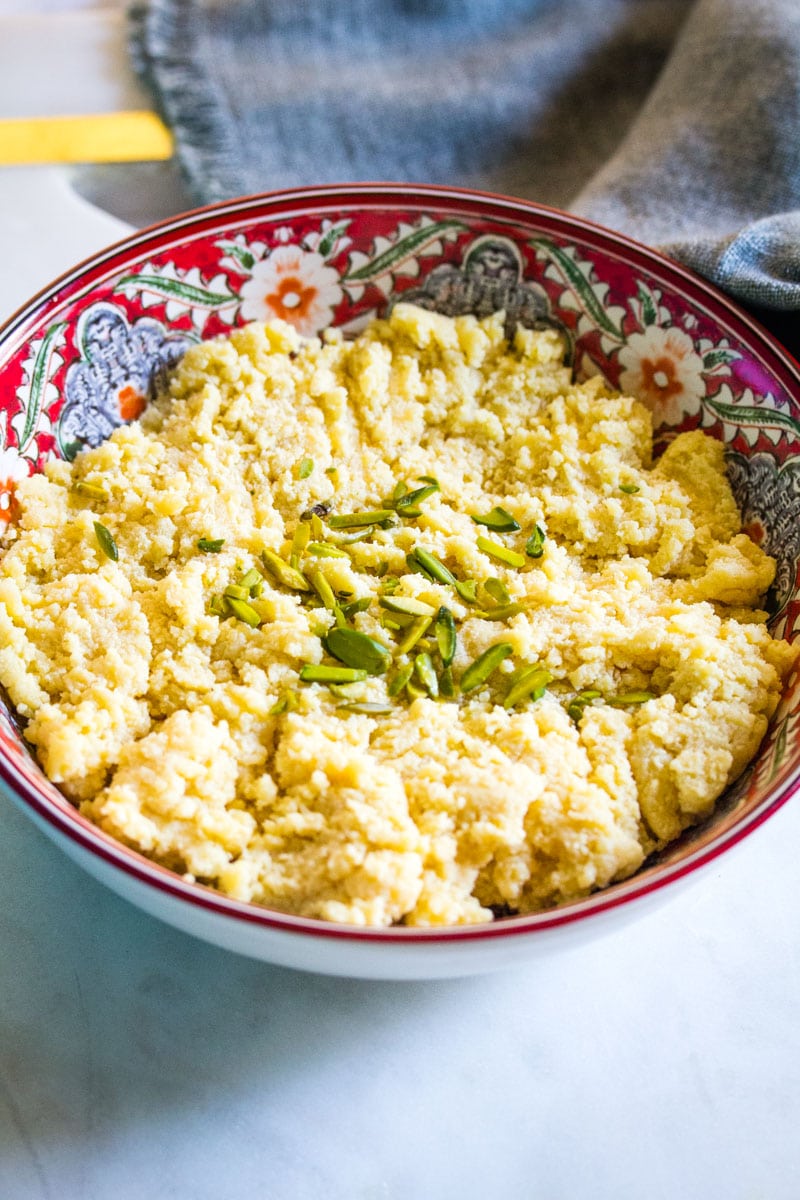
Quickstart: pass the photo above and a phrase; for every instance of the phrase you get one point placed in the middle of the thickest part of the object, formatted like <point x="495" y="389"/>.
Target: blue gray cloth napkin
<point x="675" y="121"/>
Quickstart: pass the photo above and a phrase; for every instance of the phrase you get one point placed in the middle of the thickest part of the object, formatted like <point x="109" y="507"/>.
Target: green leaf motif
<point x="575" y="277"/>
<point x="763" y="418"/>
<point x="716" y="358"/>
<point x="331" y="237"/>
<point x="38" y="384"/>
<point x="413" y="243"/>
<point x="649" y="310"/>
<point x="174" y="289"/>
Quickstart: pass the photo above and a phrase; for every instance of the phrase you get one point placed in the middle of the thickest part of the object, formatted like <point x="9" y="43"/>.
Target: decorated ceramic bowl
<point x="87" y="353"/>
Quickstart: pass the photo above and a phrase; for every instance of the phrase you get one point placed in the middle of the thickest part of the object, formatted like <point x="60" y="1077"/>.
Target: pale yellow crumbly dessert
<point x="183" y="729"/>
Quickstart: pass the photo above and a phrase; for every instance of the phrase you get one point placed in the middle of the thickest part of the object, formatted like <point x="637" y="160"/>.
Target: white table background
<point x="659" y="1063"/>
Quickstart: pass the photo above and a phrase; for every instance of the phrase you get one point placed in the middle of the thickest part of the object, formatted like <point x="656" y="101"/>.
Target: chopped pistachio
<point x="497" y="590"/>
<point x="431" y="566"/>
<point x="400" y="489"/>
<point x="400" y="680"/>
<point x="414" y="691"/>
<point x="370" y="708"/>
<point x="322" y="673"/>
<point x="626" y="698"/>
<point x="497" y="519"/>
<point x="445" y="628"/>
<point x="429" y="479"/>
<point x="285" y="703"/>
<point x="374" y="516"/>
<point x="382" y="568"/>
<point x="324" y="550"/>
<point x="389" y="584"/>
<point x="251" y="579"/>
<point x="501" y="553"/>
<point x="332" y="471"/>
<point x="502" y="613"/>
<point x="323" y="590"/>
<point x="304" y="468"/>
<point x="529" y="683"/>
<point x="106" y="542"/>
<point x="485" y="665"/>
<point x="235" y="591"/>
<point x="446" y="686"/>
<point x="467" y="590"/>
<point x="341" y="619"/>
<point x="425" y="673"/>
<point x="317" y="528"/>
<point x="413" y="634"/>
<point x="358" y="650"/>
<point x="534" y="547"/>
<point x="286" y="574"/>
<point x="408" y="505"/>
<point x="92" y="490"/>
<point x="300" y="540"/>
<point x="391" y="625"/>
<point x="356" y="606"/>
<point x="630" y="489"/>
<point x="218" y="606"/>
<point x="210" y="545"/>
<point x="244" y="611"/>
<point x="578" y="703"/>
<point x="407" y="604"/>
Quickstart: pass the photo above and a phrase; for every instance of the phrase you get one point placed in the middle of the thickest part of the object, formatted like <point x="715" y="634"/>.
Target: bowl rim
<point x="65" y="820"/>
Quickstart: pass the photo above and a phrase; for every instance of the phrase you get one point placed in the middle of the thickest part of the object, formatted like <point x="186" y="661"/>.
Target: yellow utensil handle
<point x="97" y="138"/>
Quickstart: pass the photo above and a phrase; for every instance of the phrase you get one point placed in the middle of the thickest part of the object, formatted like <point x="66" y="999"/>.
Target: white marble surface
<point x="662" y="1062"/>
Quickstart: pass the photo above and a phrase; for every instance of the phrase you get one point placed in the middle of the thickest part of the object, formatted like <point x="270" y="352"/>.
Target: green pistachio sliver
<point x="580" y="702"/>
<point x="210" y="545"/>
<point x="497" y="519"/>
<point x="425" y="673"/>
<point x="332" y="471"/>
<point x="626" y="698"/>
<point x="285" y="703"/>
<point x="497" y="590"/>
<point x="357" y="649"/>
<point x="467" y="590"/>
<point x="485" y="665"/>
<point x="322" y="673"/>
<point x="218" y="606"/>
<point x="408" y="605"/>
<point x="356" y="606"/>
<point x="92" y="490"/>
<point x="375" y="516"/>
<point x="413" y="634"/>
<point x="503" y="612"/>
<point x="415" y="692"/>
<point x="447" y="687"/>
<point x="392" y="626"/>
<point x="369" y="708"/>
<point x="389" y="584"/>
<point x="432" y="566"/>
<point x="106" y="542"/>
<point x="529" y="683"/>
<point x="399" y="490"/>
<point x="341" y="619"/>
<point x="244" y="611"/>
<point x="323" y="590"/>
<point x="534" y="547"/>
<point x="305" y="468"/>
<point x="286" y="574"/>
<point x="445" y="630"/>
<point x="630" y="489"/>
<point x="408" y="504"/>
<point x="300" y="540"/>
<point x="382" y="568"/>
<point x="317" y="528"/>
<point x="400" y="679"/>
<point x="429" y="479"/>
<point x="501" y="553"/>
<point x="235" y="591"/>
<point x="324" y="550"/>
<point x="251" y="579"/>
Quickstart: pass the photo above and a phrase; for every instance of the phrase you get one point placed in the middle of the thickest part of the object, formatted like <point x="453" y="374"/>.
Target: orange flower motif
<point x="295" y="285"/>
<point x="13" y="467"/>
<point x="662" y="369"/>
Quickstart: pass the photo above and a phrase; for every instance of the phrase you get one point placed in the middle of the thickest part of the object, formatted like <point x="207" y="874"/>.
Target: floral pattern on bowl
<point x="87" y="354"/>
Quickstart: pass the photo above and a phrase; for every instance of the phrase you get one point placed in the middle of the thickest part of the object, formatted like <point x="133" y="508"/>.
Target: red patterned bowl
<point x="86" y="354"/>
